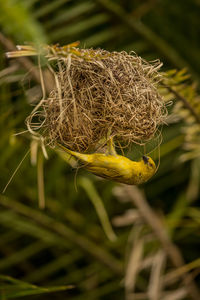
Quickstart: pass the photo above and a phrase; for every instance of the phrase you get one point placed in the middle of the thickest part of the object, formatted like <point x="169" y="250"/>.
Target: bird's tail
<point x="84" y="158"/>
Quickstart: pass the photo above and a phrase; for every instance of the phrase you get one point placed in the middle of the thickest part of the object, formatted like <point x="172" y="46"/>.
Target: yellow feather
<point x="116" y="167"/>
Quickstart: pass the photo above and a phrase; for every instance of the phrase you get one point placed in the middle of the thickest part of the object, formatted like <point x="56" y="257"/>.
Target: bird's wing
<point x="107" y="173"/>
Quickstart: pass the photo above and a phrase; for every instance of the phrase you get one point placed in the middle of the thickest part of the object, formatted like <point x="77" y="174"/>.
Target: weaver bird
<point x="116" y="167"/>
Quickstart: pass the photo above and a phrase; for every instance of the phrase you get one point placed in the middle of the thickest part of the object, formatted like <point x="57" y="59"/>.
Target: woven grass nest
<point x="99" y="92"/>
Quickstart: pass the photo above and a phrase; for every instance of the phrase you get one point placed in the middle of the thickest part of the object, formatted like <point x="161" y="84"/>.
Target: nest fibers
<point x="99" y="93"/>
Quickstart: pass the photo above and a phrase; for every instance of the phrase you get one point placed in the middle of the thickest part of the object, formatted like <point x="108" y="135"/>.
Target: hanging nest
<point x="99" y="92"/>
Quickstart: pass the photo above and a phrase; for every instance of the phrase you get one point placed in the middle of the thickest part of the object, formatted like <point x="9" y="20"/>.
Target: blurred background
<point x="145" y="244"/>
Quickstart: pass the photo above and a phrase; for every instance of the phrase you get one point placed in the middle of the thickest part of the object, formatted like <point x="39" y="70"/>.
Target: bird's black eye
<point x="145" y="159"/>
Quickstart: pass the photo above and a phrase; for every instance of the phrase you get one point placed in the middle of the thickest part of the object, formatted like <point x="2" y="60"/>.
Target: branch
<point x="138" y="199"/>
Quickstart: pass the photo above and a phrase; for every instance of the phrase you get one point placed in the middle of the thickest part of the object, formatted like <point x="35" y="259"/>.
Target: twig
<point x="155" y="282"/>
<point x="133" y="265"/>
<point x="138" y="199"/>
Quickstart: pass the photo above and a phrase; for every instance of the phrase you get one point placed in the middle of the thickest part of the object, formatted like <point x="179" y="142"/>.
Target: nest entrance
<point x="98" y="92"/>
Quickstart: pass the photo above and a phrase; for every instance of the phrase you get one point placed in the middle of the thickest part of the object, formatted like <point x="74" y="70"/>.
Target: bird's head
<point x="142" y="170"/>
<point x="148" y="166"/>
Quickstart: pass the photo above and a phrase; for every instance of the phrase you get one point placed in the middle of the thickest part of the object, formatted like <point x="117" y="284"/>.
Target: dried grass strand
<point x="97" y="91"/>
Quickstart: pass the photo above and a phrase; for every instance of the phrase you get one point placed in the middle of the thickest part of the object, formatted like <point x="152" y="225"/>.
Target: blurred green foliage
<point x="47" y="251"/>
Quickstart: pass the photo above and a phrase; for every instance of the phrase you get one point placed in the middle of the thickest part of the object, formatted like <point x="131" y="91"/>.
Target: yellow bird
<point x="116" y="167"/>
